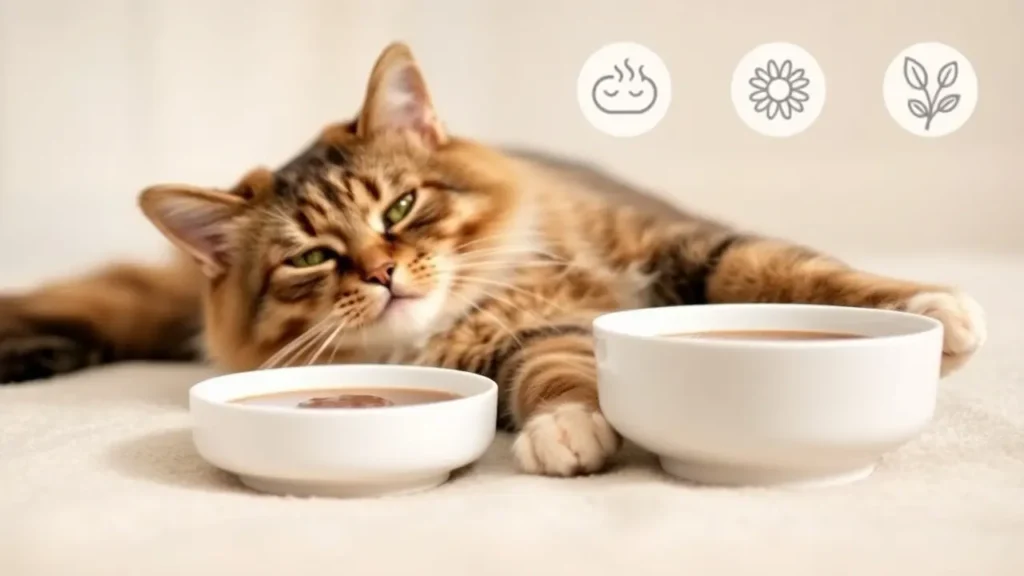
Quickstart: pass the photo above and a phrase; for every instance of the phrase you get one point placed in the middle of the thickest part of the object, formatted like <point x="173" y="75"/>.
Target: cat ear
<point x="397" y="98"/>
<point x="195" y="219"/>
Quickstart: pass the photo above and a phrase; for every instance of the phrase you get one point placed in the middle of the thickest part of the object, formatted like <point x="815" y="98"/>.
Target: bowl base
<point x="341" y="489"/>
<point x="714" y="474"/>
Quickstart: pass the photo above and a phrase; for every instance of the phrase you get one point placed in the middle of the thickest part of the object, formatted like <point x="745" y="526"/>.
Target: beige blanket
<point x="98" y="476"/>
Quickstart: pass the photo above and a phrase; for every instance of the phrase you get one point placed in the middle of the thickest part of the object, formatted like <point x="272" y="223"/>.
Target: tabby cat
<point x="390" y="240"/>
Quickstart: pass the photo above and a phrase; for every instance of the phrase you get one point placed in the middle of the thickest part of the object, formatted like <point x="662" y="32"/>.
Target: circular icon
<point x="778" y="89"/>
<point x="930" y="89"/>
<point x="624" y="89"/>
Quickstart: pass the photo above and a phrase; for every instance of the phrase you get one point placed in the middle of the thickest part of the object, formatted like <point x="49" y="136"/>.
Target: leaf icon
<point x="948" y="103"/>
<point x="948" y="74"/>
<point x="915" y="73"/>
<point x="918" y="109"/>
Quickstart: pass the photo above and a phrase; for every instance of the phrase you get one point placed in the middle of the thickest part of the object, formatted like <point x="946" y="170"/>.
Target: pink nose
<point x="380" y="274"/>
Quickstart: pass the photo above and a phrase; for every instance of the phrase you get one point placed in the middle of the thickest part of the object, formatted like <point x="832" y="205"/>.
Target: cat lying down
<point x="389" y="239"/>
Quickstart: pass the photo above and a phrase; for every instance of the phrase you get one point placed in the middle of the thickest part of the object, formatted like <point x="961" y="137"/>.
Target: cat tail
<point x="116" y="313"/>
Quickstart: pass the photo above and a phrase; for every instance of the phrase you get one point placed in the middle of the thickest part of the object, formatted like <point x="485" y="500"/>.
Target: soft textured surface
<point x="98" y="476"/>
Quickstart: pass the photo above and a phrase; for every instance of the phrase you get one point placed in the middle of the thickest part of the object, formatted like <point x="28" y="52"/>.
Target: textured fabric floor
<point x="98" y="476"/>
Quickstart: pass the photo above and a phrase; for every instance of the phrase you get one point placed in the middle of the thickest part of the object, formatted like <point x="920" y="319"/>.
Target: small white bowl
<point x="343" y="452"/>
<point x="762" y="413"/>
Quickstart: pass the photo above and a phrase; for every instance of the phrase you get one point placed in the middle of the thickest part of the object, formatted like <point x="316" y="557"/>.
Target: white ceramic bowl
<point x="343" y="452"/>
<point x="786" y="413"/>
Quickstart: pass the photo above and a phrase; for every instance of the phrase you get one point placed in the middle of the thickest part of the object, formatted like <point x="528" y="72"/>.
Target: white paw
<point x="963" y="320"/>
<point x="568" y="440"/>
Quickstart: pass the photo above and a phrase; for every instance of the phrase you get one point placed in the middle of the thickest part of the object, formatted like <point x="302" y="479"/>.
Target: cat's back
<point x="581" y="182"/>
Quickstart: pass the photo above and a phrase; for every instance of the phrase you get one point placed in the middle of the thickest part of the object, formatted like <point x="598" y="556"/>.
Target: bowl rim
<point x="198" y="391"/>
<point x="928" y="325"/>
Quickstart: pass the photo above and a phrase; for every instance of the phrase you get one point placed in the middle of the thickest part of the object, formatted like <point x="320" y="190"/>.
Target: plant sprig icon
<point x="916" y="76"/>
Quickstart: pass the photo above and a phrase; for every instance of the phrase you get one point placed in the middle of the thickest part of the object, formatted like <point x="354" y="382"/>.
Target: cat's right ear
<point x="397" y="98"/>
<point x="196" y="220"/>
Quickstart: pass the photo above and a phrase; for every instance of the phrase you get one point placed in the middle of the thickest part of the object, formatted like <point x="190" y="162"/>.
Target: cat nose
<point x="380" y="274"/>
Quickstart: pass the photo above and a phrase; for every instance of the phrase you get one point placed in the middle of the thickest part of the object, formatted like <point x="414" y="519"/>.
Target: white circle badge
<point x="930" y="89"/>
<point x="624" y="89"/>
<point x="778" y="89"/>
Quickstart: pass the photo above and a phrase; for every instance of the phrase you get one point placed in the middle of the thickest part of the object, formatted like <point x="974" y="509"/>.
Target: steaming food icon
<point x="630" y="92"/>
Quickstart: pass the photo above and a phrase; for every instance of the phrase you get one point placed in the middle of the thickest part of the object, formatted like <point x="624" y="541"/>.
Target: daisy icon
<point x="789" y="89"/>
<point x="779" y="89"/>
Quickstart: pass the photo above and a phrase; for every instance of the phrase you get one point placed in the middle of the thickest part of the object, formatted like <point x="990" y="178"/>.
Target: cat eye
<point x="399" y="209"/>
<point x="309" y="258"/>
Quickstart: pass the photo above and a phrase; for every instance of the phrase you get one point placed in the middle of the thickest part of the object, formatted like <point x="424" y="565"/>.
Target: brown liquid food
<point x="349" y="398"/>
<point x="804" y="335"/>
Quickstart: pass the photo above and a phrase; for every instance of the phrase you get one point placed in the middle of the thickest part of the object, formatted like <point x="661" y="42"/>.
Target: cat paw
<point x="568" y="440"/>
<point x="30" y="352"/>
<point x="963" y="322"/>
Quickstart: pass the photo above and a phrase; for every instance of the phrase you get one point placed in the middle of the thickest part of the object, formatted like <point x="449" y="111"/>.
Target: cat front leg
<point x="551" y="383"/>
<point x="548" y="380"/>
<point x="760" y="270"/>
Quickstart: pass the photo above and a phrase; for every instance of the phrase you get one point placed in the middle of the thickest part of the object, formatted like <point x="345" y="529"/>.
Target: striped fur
<point x="499" y="268"/>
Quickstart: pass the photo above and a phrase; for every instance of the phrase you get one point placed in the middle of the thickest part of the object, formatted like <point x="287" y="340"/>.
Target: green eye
<point x="399" y="209"/>
<point x="310" y="258"/>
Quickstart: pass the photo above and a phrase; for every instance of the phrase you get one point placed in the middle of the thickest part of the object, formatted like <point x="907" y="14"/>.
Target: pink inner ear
<point x="404" y="103"/>
<point x="200" y="225"/>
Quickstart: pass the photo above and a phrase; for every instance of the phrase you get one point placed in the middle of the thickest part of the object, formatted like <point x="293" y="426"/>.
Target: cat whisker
<point x="330" y="339"/>
<point x="505" y="285"/>
<point x="362" y="337"/>
<point x="510" y="251"/>
<point x="287" y="348"/>
<point x="489" y="313"/>
<point x="510" y="263"/>
<point x="514" y="306"/>
<point x="334" y="349"/>
<point x="498" y="238"/>
<point x="310" y="342"/>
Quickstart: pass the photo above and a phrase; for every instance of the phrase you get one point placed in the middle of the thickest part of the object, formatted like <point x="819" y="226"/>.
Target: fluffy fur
<point x="390" y="240"/>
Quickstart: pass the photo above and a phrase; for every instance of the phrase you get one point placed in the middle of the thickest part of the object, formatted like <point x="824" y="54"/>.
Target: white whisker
<point x="489" y="313"/>
<point x="499" y="238"/>
<point x="510" y="251"/>
<point x="514" y="306"/>
<point x="328" y="341"/>
<point x="499" y="264"/>
<point x="309" y="344"/>
<point x="507" y="286"/>
<point x="295" y="342"/>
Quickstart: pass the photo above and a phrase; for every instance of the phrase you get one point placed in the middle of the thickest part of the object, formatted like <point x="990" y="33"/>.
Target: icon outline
<point x="773" y="75"/>
<point x="756" y="89"/>
<point x="930" y="89"/>
<point x="916" y="76"/>
<point x="624" y="89"/>
<point x="632" y="74"/>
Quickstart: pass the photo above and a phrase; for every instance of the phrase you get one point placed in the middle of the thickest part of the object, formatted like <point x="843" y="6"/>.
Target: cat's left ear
<point x="397" y="99"/>
<point x="197" y="220"/>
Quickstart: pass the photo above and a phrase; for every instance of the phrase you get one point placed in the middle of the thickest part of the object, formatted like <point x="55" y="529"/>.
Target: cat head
<point x="384" y="230"/>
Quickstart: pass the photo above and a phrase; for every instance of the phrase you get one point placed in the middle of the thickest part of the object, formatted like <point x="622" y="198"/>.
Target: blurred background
<point x="99" y="98"/>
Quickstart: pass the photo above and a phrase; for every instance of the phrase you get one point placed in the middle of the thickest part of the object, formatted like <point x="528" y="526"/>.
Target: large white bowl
<point x="793" y="413"/>
<point x="339" y="452"/>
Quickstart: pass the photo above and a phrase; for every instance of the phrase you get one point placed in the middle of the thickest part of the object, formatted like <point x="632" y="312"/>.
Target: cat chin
<point x="405" y="319"/>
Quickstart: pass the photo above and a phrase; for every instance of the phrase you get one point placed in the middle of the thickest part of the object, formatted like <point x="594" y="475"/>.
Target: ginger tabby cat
<point x="390" y="240"/>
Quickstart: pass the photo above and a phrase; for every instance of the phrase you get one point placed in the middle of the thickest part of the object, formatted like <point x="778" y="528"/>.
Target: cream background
<point x="99" y="98"/>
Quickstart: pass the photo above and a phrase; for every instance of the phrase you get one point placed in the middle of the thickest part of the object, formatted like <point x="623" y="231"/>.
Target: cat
<point x="390" y="240"/>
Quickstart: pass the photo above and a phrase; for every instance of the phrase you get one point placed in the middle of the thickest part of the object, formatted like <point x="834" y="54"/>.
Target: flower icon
<point x="779" y="89"/>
